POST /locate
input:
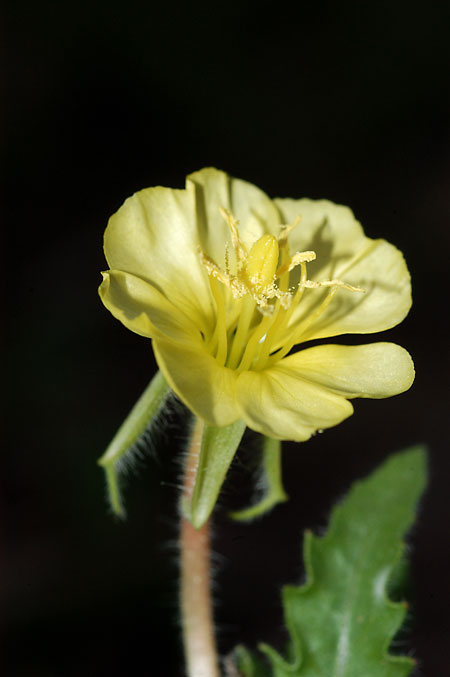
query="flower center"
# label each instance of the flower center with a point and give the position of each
(254, 330)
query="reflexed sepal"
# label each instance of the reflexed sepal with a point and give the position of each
(341, 621)
(248, 664)
(217, 450)
(122, 446)
(274, 492)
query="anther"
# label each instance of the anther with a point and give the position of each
(332, 283)
(238, 245)
(286, 230)
(296, 260)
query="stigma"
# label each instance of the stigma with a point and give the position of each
(262, 261)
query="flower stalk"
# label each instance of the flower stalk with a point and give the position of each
(196, 603)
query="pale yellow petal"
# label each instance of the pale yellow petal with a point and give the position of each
(254, 210)
(154, 236)
(345, 253)
(381, 270)
(142, 308)
(375, 370)
(278, 403)
(206, 388)
(329, 229)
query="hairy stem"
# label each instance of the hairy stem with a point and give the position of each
(196, 604)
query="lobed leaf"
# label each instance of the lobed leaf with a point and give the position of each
(341, 622)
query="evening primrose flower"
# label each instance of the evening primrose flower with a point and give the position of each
(226, 282)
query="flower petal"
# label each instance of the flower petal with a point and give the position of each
(142, 308)
(344, 252)
(254, 210)
(154, 236)
(375, 370)
(281, 404)
(206, 388)
(329, 229)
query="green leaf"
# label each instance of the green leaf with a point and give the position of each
(217, 451)
(341, 621)
(121, 448)
(274, 491)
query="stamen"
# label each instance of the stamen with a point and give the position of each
(275, 332)
(332, 283)
(283, 280)
(255, 341)
(238, 245)
(228, 280)
(284, 269)
(301, 328)
(220, 333)
(296, 260)
(286, 230)
(227, 259)
(245, 318)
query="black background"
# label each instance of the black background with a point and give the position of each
(348, 101)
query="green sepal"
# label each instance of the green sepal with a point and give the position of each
(120, 448)
(249, 664)
(274, 491)
(217, 450)
(341, 621)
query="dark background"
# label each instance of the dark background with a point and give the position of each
(348, 101)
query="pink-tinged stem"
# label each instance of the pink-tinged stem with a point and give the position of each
(196, 604)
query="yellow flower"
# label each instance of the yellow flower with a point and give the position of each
(226, 282)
